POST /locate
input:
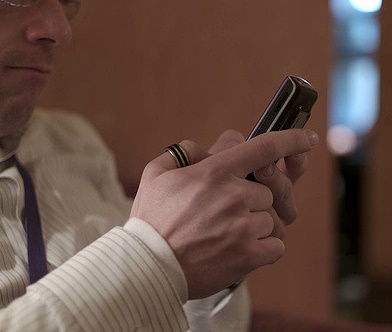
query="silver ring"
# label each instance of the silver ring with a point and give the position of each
(179, 154)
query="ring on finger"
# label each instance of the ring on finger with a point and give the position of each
(179, 155)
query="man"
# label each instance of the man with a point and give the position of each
(193, 234)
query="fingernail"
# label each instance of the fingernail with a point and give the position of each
(313, 138)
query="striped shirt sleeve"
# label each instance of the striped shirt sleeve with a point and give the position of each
(115, 284)
(126, 280)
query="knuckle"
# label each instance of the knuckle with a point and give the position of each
(150, 168)
(277, 252)
(266, 146)
(300, 160)
(268, 252)
(215, 168)
(279, 230)
(275, 258)
(241, 195)
(211, 172)
(235, 201)
(240, 227)
(267, 225)
(232, 137)
(297, 165)
(291, 216)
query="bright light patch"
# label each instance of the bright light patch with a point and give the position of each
(341, 140)
(363, 78)
(366, 6)
(355, 95)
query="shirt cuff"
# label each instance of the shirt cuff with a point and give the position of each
(226, 311)
(163, 253)
(232, 313)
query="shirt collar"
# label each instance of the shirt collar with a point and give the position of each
(4, 155)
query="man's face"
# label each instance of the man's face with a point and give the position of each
(28, 38)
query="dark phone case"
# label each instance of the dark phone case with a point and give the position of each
(289, 108)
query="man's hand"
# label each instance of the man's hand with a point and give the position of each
(218, 224)
(279, 177)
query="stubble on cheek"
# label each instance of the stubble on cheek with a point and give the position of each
(19, 92)
(15, 114)
(13, 124)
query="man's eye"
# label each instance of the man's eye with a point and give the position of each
(71, 7)
(70, 2)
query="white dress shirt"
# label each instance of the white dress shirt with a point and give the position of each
(105, 273)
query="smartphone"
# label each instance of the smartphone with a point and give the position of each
(289, 108)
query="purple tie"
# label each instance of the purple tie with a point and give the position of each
(32, 223)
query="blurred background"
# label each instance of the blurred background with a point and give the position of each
(148, 73)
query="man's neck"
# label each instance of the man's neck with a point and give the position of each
(8, 146)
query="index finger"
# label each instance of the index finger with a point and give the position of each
(264, 149)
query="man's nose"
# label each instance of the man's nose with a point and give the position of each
(48, 24)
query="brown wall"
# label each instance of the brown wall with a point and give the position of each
(150, 73)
